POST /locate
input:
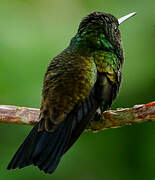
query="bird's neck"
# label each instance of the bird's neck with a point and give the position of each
(89, 42)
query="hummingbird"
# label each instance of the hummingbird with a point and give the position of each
(80, 83)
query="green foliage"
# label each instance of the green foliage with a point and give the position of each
(31, 33)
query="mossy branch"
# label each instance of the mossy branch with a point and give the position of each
(109, 119)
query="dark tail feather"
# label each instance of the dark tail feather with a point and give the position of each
(21, 155)
(43, 149)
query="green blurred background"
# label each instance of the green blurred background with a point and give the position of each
(34, 31)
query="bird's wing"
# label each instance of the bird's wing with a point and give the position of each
(68, 83)
(82, 116)
(68, 103)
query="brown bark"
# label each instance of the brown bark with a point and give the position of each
(109, 119)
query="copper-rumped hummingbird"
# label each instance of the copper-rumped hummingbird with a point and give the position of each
(79, 82)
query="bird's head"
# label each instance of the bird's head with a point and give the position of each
(101, 31)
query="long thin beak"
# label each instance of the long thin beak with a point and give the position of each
(124, 18)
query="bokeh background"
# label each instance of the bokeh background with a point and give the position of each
(34, 31)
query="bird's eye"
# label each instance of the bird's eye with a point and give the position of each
(115, 28)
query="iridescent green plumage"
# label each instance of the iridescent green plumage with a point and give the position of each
(85, 77)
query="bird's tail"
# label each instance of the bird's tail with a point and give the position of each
(42, 148)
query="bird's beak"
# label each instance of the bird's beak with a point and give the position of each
(124, 18)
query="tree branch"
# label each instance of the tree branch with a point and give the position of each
(109, 119)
